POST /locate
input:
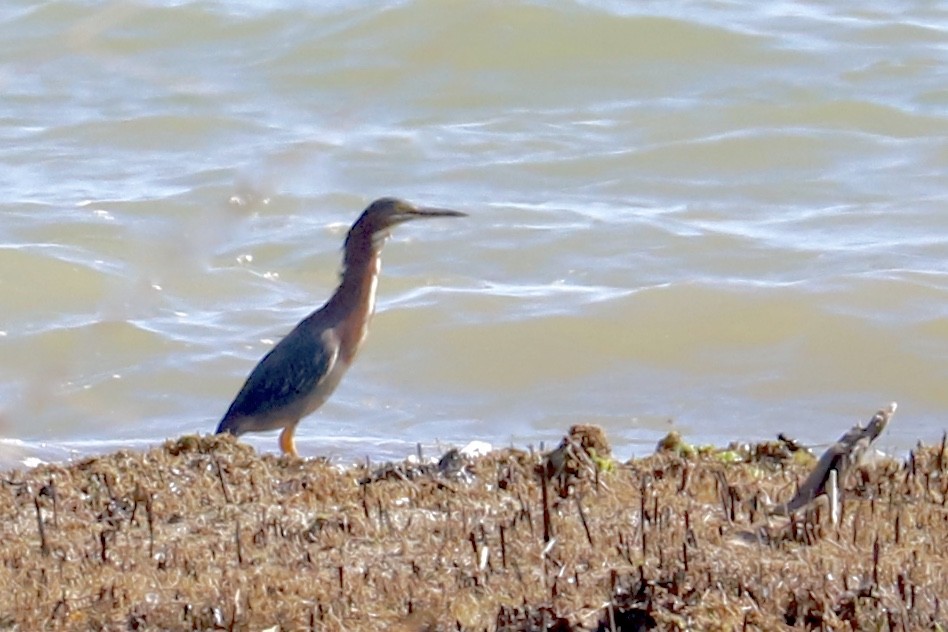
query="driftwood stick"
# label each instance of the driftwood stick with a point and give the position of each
(840, 457)
(833, 494)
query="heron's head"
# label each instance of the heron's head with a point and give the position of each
(369, 232)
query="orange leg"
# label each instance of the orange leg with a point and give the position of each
(287, 445)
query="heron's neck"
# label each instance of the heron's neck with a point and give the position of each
(359, 275)
(354, 300)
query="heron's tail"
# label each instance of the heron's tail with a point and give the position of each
(230, 424)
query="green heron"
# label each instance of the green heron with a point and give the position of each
(303, 369)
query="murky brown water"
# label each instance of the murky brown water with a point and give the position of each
(726, 218)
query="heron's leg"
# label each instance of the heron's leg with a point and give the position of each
(287, 445)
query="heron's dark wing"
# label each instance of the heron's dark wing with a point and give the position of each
(284, 378)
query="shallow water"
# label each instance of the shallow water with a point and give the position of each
(725, 218)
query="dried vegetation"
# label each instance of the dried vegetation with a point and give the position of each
(203, 533)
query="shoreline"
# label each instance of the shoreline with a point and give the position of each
(204, 533)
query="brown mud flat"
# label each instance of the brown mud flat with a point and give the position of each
(203, 533)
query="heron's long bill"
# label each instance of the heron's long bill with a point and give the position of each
(431, 211)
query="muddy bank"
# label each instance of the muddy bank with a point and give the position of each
(204, 533)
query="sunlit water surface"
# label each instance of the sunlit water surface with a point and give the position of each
(728, 219)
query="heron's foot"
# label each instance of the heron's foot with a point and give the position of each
(287, 444)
